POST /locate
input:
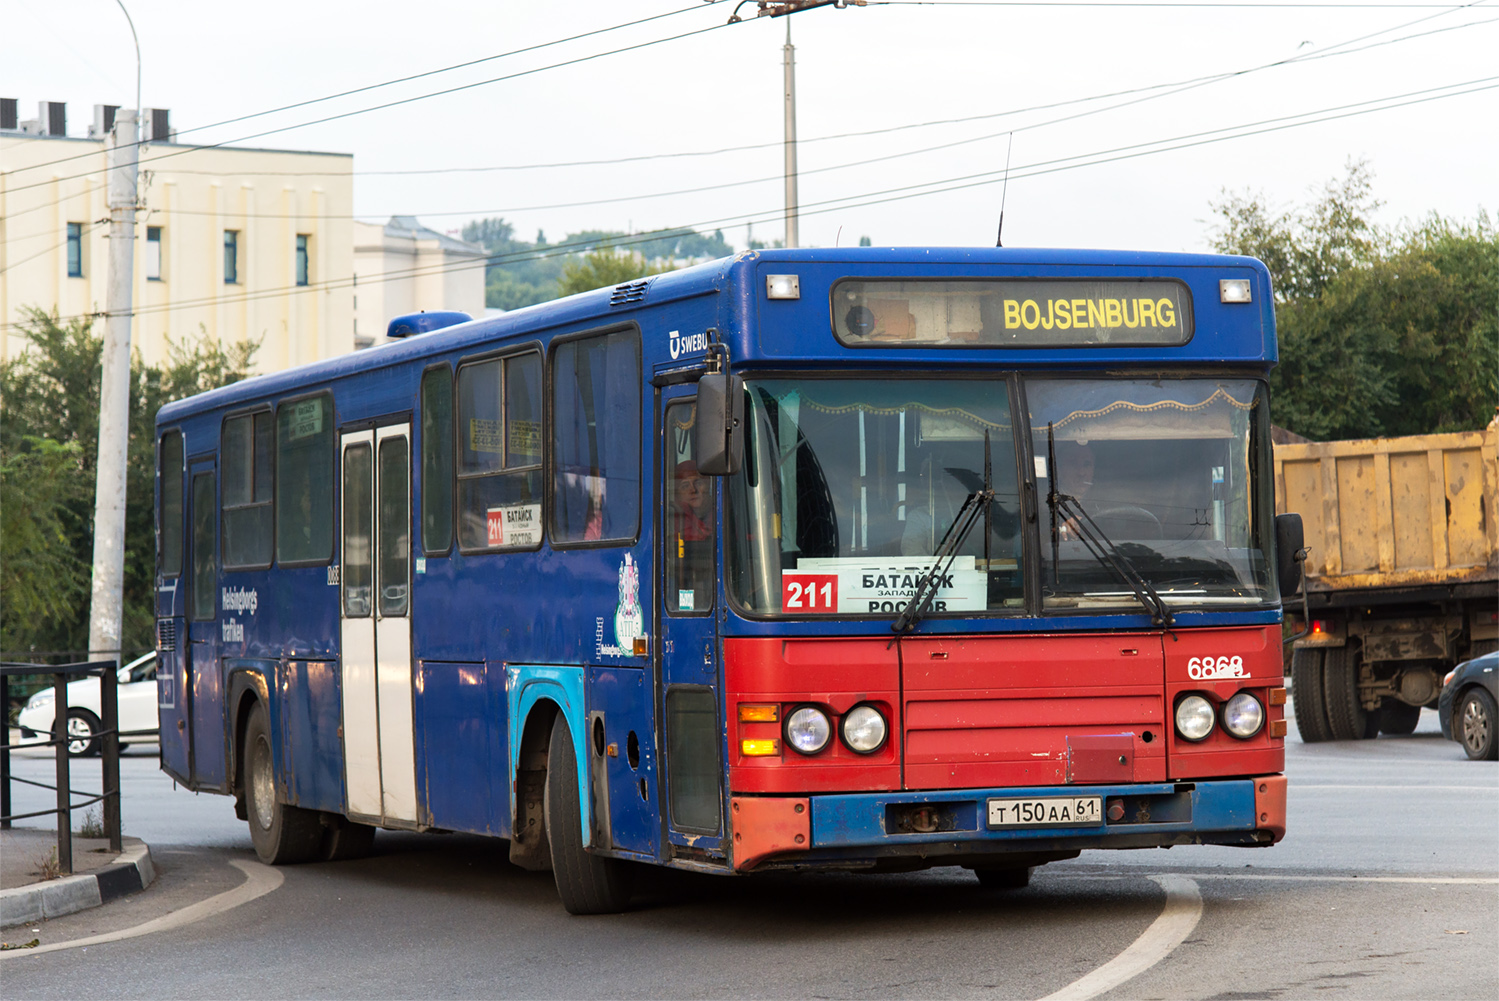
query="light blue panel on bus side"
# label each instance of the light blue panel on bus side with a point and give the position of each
(529, 684)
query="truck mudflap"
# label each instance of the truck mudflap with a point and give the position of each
(962, 823)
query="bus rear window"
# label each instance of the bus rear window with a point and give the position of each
(1016, 313)
(304, 480)
(170, 527)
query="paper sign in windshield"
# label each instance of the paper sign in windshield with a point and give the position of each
(879, 587)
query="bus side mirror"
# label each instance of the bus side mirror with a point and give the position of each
(718, 435)
(1290, 552)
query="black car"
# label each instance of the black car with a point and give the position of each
(1467, 706)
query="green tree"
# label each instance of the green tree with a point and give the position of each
(49, 426)
(603, 268)
(1381, 333)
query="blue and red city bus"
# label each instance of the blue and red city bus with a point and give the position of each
(865, 559)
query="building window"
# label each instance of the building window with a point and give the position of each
(231, 257)
(153, 253)
(75, 250)
(301, 258)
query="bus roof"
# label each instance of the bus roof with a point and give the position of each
(1254, 341)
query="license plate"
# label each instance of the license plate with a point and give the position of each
(1050, 812)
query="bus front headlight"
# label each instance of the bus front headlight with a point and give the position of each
(864, 729)
(1194, 718)
(808, 730)
(1243, 716)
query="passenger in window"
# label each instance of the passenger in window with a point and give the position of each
(1075, 465)
(692, 537)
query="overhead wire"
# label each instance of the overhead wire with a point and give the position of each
(844, 203)
(396, 80)
(1149, 92)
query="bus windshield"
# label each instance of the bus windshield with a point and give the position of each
(850, 485)
(1162, 469)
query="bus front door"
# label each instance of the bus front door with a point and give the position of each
(691, 704)
(375, 631)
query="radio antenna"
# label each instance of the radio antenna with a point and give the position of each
(999, 238)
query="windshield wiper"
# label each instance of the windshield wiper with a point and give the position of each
(1097, 542)
(974, 504)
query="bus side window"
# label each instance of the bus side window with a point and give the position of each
(170, 527)
(246, 465)
(304, 480)
(596, 439)
(205, 572)
(437, 460)
(499, 453)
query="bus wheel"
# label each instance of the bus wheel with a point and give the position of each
(343, 839)
(1017, 878)
(282, 834)
(1306, 696)
(587, 883)
(1345, 714)
(1396, 717)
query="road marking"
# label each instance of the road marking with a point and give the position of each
(259, 880)
(1297, 786)
(1178, 918)
(1287, 877)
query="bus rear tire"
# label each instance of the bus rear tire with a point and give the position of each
(1345, 714)
(1306, 696)
(587, 883)
(1016, 878)
(344, 840)
(282, 834)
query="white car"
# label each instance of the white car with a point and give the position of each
(137, 705)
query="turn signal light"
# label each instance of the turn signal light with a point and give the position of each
(760, 748)
(753, 713)
(1277, 728)
(1277, 696)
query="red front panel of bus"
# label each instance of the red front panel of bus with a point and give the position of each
(994, 711)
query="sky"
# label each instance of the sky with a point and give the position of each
(906, 113)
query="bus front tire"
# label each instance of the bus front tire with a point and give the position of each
(1306, 696)
(282, 834)
(1015, 878)
(587, 883)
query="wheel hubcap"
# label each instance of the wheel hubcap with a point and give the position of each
(80, 733)
(262, 790)
(1475, 725)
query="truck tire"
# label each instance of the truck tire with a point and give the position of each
(282, 834)
(1345, 716)
(1396, 717)
(587, 883)
(1306, 696)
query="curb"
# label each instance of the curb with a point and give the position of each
(129, 872)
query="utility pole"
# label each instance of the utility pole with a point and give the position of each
(106, 605)
(791, 204)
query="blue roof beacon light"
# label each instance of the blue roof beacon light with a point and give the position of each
(424, 322)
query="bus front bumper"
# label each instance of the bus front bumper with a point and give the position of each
(848, 829)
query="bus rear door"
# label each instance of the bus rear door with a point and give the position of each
(375, 629)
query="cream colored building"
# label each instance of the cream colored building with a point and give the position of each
(251, 244)
(403, 267)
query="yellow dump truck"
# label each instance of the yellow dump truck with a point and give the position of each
(1402, 580)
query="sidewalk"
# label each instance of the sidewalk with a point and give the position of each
(98, 874)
